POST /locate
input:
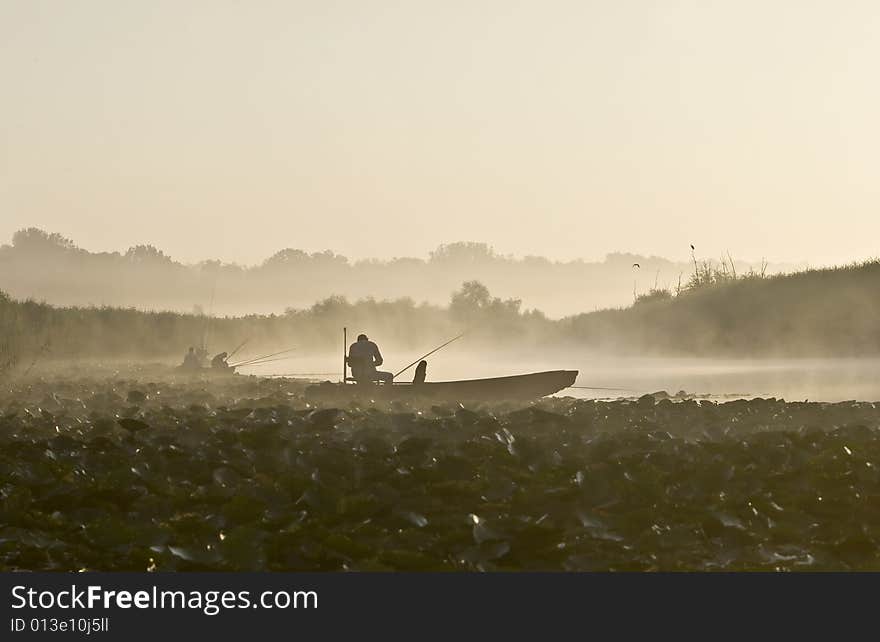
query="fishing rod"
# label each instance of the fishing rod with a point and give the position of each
(267, 360)
(430, 353)
(265, 356)
(240, 346)
(264, 361)
(256, 362)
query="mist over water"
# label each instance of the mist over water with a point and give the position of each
(721, 380)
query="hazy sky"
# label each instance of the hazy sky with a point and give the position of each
(231, 129)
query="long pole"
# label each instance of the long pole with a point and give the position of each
(344, 360)
(240, 346)
(245, 362)
(430, 353)
(260, 362)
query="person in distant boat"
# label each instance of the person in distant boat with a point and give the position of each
(220, 362)
(191, 361)
(363, 358)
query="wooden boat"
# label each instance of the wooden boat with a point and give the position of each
(515, 387)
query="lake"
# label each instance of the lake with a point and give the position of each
(791, 379)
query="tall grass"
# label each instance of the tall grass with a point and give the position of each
(10, 339)
(709, 274)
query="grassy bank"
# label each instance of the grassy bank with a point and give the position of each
(828, 312)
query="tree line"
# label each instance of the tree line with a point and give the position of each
(831, 312)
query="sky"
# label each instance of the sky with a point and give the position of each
(569, 129)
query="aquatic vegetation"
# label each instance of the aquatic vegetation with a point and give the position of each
(147, 471)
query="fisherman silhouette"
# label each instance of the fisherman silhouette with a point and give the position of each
(219, 361)
(363, 358)
(191, 361)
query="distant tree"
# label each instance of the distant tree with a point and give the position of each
(330, 308)
(474, 304)
(285, 257)
(291, 257)
(329, 258)
(147, 254)
(463, 252)
(470, 299)
(34, 239)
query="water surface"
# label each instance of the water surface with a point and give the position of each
(791, 379)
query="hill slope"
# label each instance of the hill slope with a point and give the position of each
(828, 312)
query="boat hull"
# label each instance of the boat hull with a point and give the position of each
(515, 387)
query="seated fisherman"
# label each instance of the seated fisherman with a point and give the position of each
(219, 362)
(191, 361)
(363, 357)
